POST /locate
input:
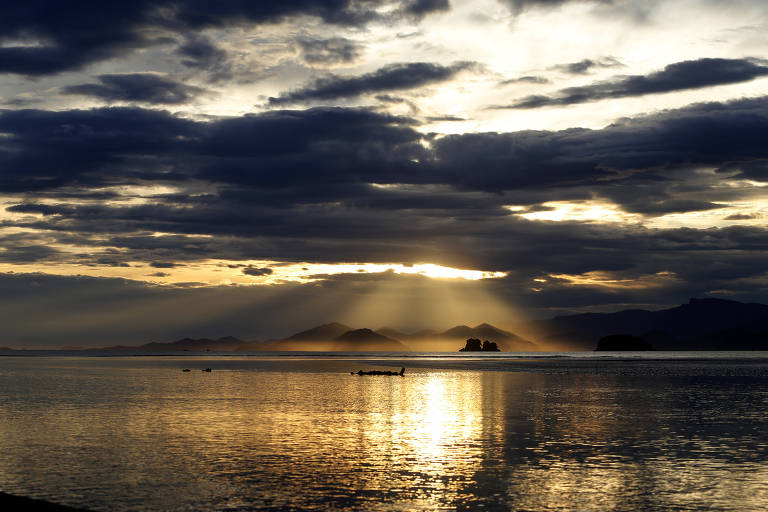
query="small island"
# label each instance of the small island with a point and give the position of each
(622, 342)
(474, 345)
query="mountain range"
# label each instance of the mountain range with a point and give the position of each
(701, 324)
(335, 336)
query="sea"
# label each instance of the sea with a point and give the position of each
(598, 431)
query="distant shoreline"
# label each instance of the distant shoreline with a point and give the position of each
(12, 502)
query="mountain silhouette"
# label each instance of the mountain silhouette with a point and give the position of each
(323, 332)
(366, 339)
(225, 344)
(701, 324)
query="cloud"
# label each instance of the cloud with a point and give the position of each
(199, 52)
(393, 77)
(28, 253)
(353, 185)
(137, 87)
(584, 66)
(420, 8)
(517, 6)
(739, 216)
(56, 38)
(336, 50)
(45, 39)
(703, 134)
(529, 79)
(163, 264)
(125, 311)
(631, 9)
(330, 153)
(445, 118)
(690, 74)
(256, 271)
(89, 147)
(756, 170)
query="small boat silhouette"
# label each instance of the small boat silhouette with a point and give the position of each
(378, 372)
(207, 370)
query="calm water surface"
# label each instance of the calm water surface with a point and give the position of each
(135, 433)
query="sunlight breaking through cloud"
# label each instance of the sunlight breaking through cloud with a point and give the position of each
(303, 272)
(581, 211)
(216, 272)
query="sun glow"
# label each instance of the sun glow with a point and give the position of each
(751, 212)
(251, 272)
(581, 211)
(307, 272)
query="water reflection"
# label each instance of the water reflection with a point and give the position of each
(126, 435)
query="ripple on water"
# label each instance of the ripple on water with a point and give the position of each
(135, 433)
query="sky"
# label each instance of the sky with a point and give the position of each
(186, 168)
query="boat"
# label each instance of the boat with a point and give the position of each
(379, 372)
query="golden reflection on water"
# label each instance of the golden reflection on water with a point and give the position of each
(313, 437)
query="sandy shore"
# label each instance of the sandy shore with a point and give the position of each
(14, 503)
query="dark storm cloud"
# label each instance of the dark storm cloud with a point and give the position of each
(653, 195)
(739, 216)
(324, 154)
(707, 133)
(294, 186)
(42, 209)
(257, 271)
(199, 52)
(138, 88)
(585, 66)
(753, 170)
(66, 36)
(421, 8)
(163, 264)
(48, 149)
(317, 147)
(335, 50)
(690, 74)
(109, 262)
(393, 77)
(23, 254)
(473, 233)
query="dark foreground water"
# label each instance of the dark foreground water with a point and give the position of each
(293, 433)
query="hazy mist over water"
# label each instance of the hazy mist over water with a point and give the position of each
(301, 433)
